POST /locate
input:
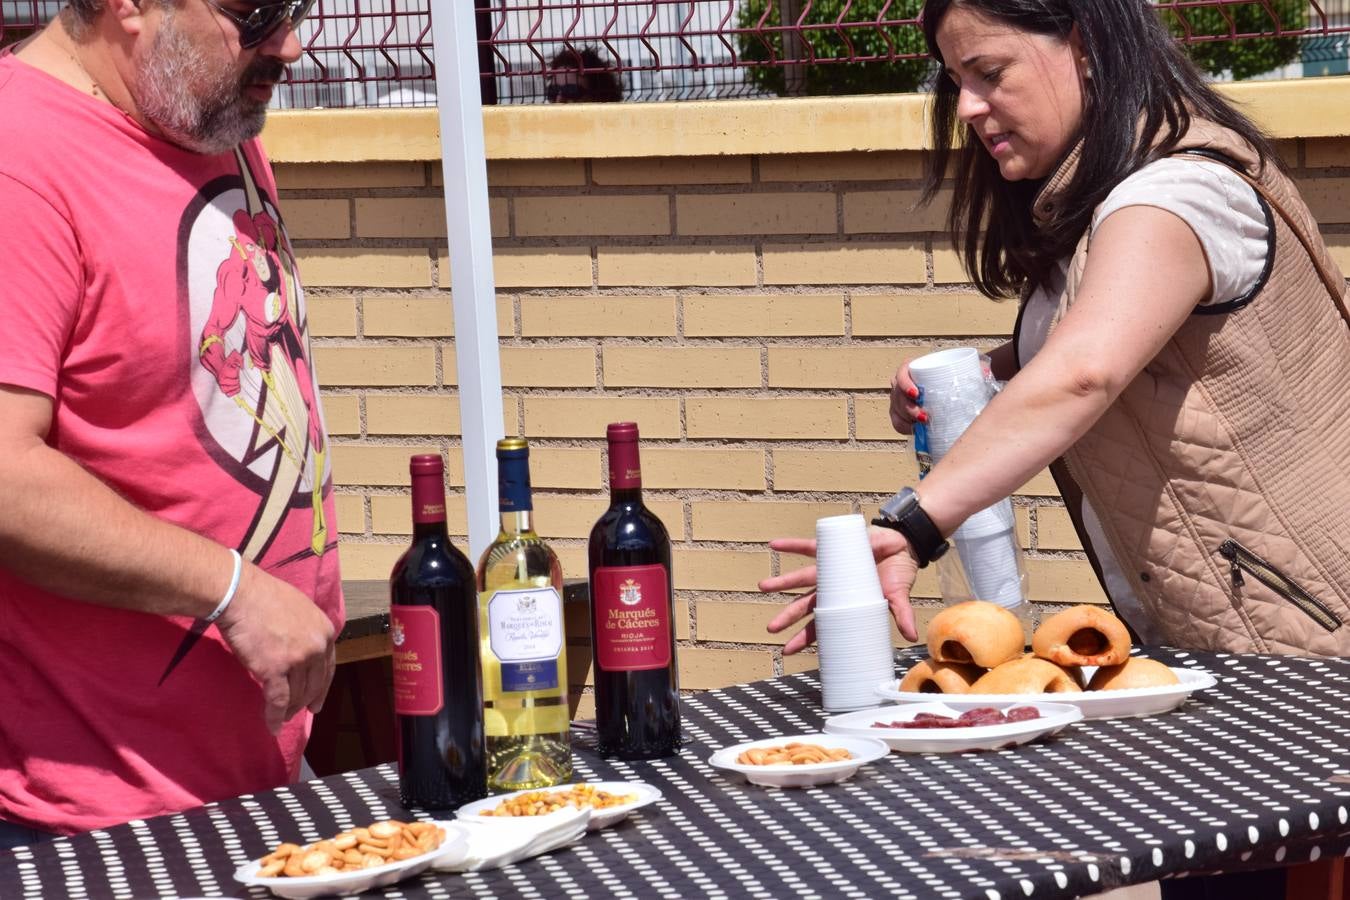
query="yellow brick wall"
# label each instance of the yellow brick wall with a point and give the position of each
(746, 310)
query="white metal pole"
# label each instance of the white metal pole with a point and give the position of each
(464, 164)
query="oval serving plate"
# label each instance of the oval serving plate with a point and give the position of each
(1119, 704)
(873, 723)
(600, 818)
(864, 750)
(359, 881)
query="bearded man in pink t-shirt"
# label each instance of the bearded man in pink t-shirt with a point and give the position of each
(169, 588)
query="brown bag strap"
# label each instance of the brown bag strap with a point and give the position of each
(1335, 287)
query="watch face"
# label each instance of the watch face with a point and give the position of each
(895, 507)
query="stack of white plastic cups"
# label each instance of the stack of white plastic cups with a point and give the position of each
(853, 623)
(954, 391)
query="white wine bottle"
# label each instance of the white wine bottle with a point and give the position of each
(521, 641)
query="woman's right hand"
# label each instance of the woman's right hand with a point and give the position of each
(896, 570)
(904, 410)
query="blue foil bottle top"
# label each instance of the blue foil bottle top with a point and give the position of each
(921, 452)
(513, 476)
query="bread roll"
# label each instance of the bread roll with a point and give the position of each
(1074, 672)
(930, 677)
(1026, 675)
(976, 632)
(1135, 672)
(1082, 636)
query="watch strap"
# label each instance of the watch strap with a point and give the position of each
(903, 513)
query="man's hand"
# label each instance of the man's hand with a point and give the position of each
(65, 531)
(284, 641)
(895, 567)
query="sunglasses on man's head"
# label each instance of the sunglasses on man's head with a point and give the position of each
(262, 22)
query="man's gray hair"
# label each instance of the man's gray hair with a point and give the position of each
(79, 16)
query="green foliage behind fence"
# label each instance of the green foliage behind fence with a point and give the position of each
(885, 76)
(1248, 57)
(823, 39)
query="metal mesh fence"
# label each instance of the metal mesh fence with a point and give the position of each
(379, 53)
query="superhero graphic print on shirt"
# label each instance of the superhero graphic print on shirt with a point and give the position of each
(250, 371)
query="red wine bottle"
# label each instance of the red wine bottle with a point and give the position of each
(637, 693)
(438, 689)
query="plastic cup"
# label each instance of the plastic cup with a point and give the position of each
(846, 572)
(993, 519)
(945, 368)
(954, 393)
(990, 565)
(855, 651)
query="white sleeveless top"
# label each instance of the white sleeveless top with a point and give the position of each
(1224, 213)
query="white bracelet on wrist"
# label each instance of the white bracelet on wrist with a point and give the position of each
(229, 593)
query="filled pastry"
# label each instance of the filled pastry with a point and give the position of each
(1082, 636)
(1026, 675)
(1074, 672)
(1135, 672)
(930, 677)
(975, 633)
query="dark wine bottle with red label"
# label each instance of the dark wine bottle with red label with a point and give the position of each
(433, 629)
(637, 693)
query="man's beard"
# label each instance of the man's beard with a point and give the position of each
(195, 105)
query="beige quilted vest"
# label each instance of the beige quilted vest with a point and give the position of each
(1222, 473)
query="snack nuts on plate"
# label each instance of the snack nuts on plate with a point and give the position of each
(354, 849)
(541, 803)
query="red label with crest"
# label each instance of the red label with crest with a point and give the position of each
(415, 633)
(631, 605)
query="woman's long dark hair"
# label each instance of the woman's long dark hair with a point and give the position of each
(1140, 79)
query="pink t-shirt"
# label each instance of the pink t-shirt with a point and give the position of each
(152, 293)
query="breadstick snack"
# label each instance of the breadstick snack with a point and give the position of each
(792, 754)
(357, 848)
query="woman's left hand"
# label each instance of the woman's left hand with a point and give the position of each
(905, 410)
(895, 568)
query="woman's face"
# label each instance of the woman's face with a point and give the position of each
(1021, 93)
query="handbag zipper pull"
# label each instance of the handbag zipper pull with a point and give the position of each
(1228, 550)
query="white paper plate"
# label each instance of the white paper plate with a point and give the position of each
(456, 838)
(1121, 704)
(864, 750)
(870, 723)
(600, 818)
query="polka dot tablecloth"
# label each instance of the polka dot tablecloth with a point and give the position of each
(1254, 772)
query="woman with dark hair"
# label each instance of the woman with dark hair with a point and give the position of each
(1181, 357)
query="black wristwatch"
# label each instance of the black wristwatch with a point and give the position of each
(903, 513)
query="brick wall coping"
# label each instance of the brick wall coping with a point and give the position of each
(1299, 108)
